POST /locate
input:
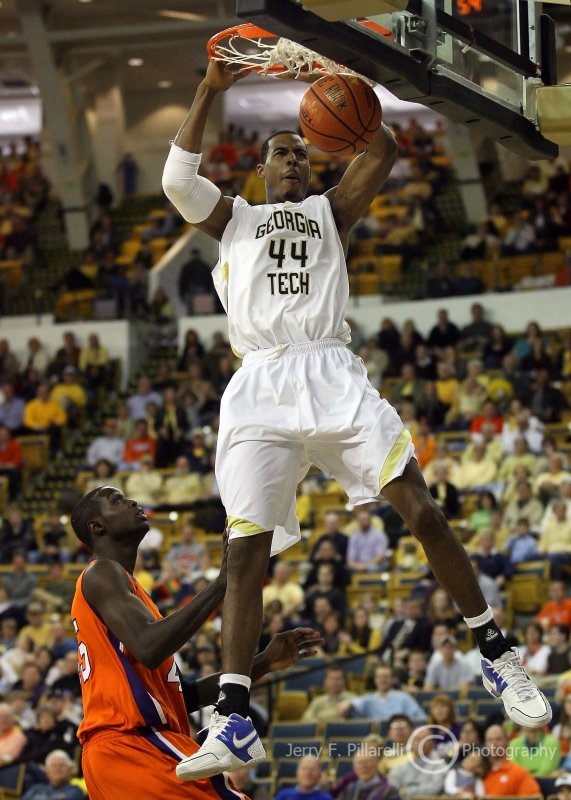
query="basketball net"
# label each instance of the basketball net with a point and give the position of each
(249, 47)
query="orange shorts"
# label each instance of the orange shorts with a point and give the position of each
(125, 766)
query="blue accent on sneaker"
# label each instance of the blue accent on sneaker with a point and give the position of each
(238, 735)
(494, 677)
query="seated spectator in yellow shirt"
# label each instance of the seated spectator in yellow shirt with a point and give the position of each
(184, 487)
(70, 395)
(44, 415)
(468, 402)
(282, 588)
(94, 363)
(146, 484)
(547, 483)
(478, 472)
(555, 539)
(323, 708)
(522, 456)
(446, 385)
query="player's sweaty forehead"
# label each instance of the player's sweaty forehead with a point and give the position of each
(287, 142)
(109, 493)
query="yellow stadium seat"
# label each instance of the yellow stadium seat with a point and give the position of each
(526, 593)
(291, 705)
(75, 305)
(35, 450)
(11, 272)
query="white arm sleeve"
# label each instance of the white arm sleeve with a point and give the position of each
(194, 197)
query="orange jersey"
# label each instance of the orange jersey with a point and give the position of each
(120, 694)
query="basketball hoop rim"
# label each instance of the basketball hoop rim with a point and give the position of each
(247, 30)
(252, 32)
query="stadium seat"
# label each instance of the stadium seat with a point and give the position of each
(547, 785)
(486, 707)
(539, 567)
(424, 697)
(356, 665)
(11, 273)
(291, 705)
(293, 730)
(286, 768)
(265, 786)
(302, 680)
(549, 691)
(3, 492)
(75, 305)
(402, 584)
(347, 730)
(342, 767)
(355, 594)
(12, 780)
(462, 708)
(478, 693)
(526, 592)
(357, 683)
(263, 769)
(35, 450)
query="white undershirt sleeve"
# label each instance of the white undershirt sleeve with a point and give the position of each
(195, 197)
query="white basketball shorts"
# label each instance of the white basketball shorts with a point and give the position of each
(292, 406)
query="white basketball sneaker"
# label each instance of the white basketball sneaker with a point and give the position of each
(232, 742)
(506, 678)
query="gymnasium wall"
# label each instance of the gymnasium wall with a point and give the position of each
(118, 336)
(550, 308)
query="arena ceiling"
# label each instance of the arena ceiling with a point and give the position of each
(95, 39)
(92, 37)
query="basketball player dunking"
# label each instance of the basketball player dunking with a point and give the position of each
(303, 398)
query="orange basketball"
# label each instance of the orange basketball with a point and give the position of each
(340, 114)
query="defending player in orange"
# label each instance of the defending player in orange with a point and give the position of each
(136, 704)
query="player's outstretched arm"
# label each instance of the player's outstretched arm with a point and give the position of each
(198, 199)
(284, 650)
(107, 589)
(362, 182)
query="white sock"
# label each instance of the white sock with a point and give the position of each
(476, 622)
(233, 677)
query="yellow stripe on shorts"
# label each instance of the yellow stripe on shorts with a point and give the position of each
(243, 526)
(402, 443)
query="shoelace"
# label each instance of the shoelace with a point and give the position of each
(216, 725)
(512, 670)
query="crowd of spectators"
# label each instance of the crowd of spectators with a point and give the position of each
(405, 219)
(24, 191)
(541, 218)
(508, 489)
(119, 283)
(49, 393)
(488, 764)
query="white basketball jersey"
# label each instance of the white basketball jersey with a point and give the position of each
(282, 276)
